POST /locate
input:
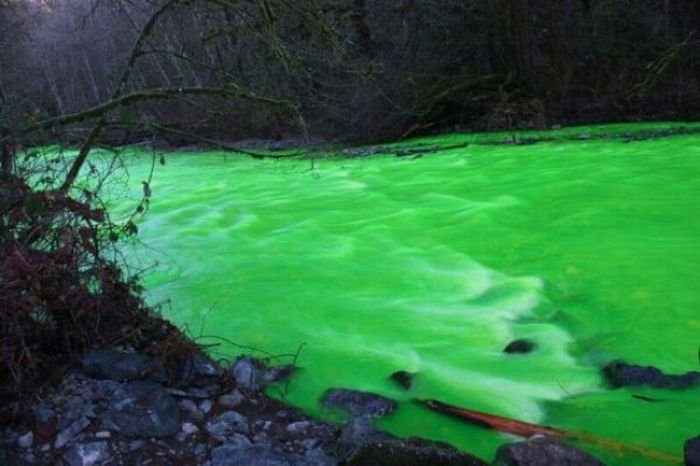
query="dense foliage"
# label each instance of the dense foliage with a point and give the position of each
(358, 69)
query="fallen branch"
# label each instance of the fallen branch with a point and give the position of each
(526, 429)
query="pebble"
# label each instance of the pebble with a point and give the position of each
(189, 428)
(298, 427)
(205, 406)
(26, 440)
(231, 400)
(67, 434)
(103, 434)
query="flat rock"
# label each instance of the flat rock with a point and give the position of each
(621, 374)
(143, 409)
(231, 400)
(543, 451)
(249, 374)
(71, 431)
(358, 403)
(123, 367)
(520, 346)
(692, 452)
(87, 454)
(361, 444)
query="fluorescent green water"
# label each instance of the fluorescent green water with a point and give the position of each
(432, 265)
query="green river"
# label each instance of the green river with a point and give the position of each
(433, 264)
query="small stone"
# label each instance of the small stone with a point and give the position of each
(67, 434)
(227, 424)
(231, 400)
(103, 434)
(358, 403)
(26, 440)
(520, 346)
(692, 452)
(298, 427)
(198, 393)
(403, 378)
(248, 374)
(188, 428)
(87, 454)
(277, 373)
(191, 409)
(205, 406)
(136, 444)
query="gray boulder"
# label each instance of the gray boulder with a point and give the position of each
(143, 409)
(119, 366)
(543, 451)
(358, 403)
(198, 370)
(361, 444)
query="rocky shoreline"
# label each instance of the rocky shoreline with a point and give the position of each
(120, 408)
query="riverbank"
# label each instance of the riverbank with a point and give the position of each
(117, 407)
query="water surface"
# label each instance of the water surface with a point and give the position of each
(434, 264)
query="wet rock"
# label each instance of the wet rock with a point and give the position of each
(621, 374)
(188, 428)
(198, 370)
(87, 454)
(191, 410)
(299, 427)
(119, 366)
(277, 373)
(231, 400)
(71, 431)
(403, 378)
(520, 346)
(362, 444)
(249, 374)
(26, 440)
(358, 403)
(692, 452)
(206, 406)
(227, 424)
(143, 409)
(543, 451)
(253, 455)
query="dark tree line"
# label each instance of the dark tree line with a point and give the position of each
(352, 69)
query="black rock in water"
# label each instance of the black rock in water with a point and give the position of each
(124, 367)
(277, 373)
(692, 452)
(520, 346)
(362, 444)
(620, 374)
(358, 403)
(143, 409)
(543, 451)
(403, 378)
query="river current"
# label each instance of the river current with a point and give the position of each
(589, 247)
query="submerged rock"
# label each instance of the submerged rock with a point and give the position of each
(543, 451)
(362, 444)
(621, 374)
(143, 409)
(403, 378)
(277, 373)
(520, 346)
(358, 403)
(691, 451)
(123, 367)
